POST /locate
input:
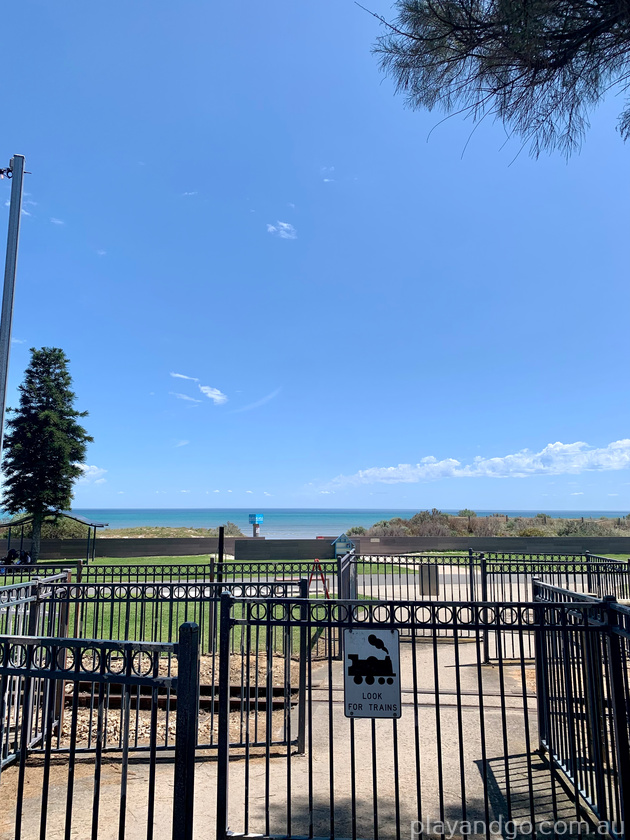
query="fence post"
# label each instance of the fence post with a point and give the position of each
(353, 580)
(186, 731)
(221, 553)
(620, 715)
(471, 573)
(304, 649)
(595, 714)
(223, 743)
(64, 622)
(541, 674)
(484, 598)
(589, 582)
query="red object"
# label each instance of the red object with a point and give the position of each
(317, 566)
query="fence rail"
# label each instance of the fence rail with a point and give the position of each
(42, 675)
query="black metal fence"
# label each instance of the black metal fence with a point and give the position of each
(584, 701)
(515, 700)
(42, 674)
(478, 577)
(153, 612)
(464, 756)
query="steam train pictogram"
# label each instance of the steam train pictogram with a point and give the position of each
(371, 669)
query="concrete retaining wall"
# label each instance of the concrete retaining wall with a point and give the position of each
(263, 549)
(283, 549)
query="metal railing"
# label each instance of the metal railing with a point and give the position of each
(37, 672)
(153, 612)
(465, 746)
(584, 701)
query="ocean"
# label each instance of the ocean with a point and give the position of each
(286, 523)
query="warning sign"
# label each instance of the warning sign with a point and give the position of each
(371, 673)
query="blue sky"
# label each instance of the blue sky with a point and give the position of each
(234, 194)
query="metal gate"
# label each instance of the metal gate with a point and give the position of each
(74, 781)
(466, 756)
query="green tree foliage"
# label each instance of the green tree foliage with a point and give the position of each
(44, 445)
(356, 531)
(538, 66)
(467, 512)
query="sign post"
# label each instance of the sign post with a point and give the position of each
(256, 520)
(371, 673)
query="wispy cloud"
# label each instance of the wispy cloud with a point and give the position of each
(183, 397)
(327, 172)
(327, 492)
(181, 443)
(577, 494)
(55, 221)
(101, 253)
(192, 192)
(554, 459)
(91, 474)
(18, 341)
(216, 491)
(283, 230)
(266, 494)
(213, 394)
(613, 494)
(258, 403)
(249, 491)
(183, 376)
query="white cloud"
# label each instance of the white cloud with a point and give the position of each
(100, 481)
(259, 402)
(182, 443)
(184, 491)
(283, 230)
(216, 491)
(327, 492)
(291, 205)
(266, 494)
(101, 253)
(554, 459)
(183, 397)
(577, 494)
(193, 192)
(91, 474)
(121, 492)
(183, 376)
(229, 491)
(613, 494)
(57, 221)
(249, 491)
(18, 341)
(329, 180)
(213, 394)
(25, 212)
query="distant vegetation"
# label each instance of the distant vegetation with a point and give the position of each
(231, 530)
(434, 523)
(62, 528)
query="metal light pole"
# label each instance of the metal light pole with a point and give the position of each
(16, 170)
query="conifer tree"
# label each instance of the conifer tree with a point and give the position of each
(44, 446)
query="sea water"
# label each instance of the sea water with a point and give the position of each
(286, 523)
